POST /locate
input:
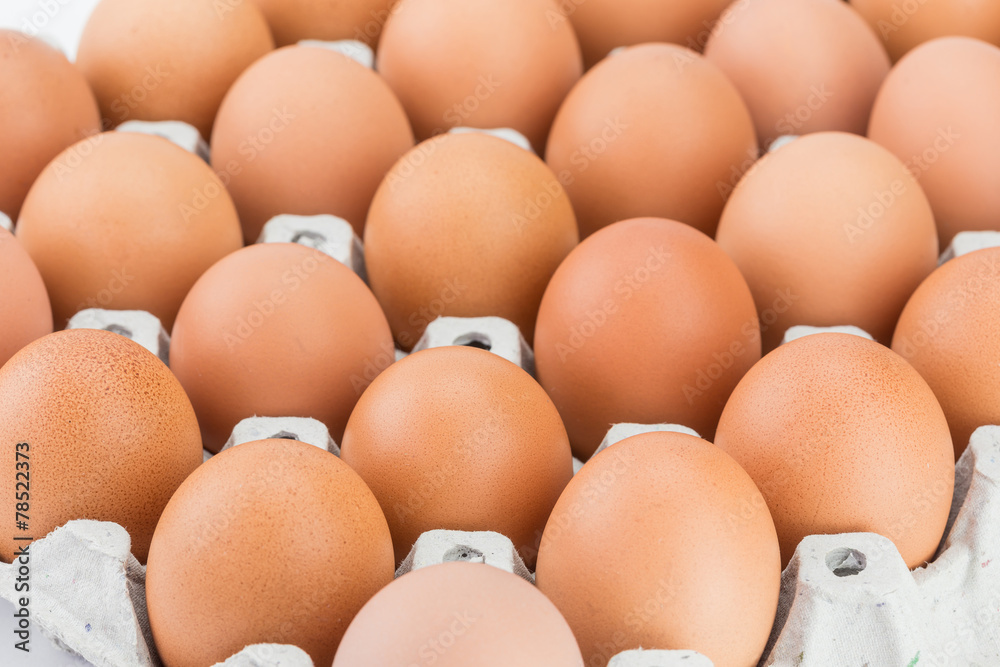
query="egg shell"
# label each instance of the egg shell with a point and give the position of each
(125, 221)
(948, 332)
(458, 438)
(480, 63)
(830, 230)
(937, 113)
(466, 225)
(655, 130)
(24, 304)
(328, 20)
(459, 614)
(307, 130)
(109, 434)
(905, 25)
(274, 542)
(663, 542)
(647, 321)
(47, 105)
(841, 435)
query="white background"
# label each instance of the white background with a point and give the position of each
(59, 22)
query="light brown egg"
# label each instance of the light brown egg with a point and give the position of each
(937, 113)
(47, 106)
(294, 20)
(270, 542)
(948, 332)
(308, 131)
(829, 230)
(155, 60)
(480, 63)
(801, 65)
(455, 615)
(25, 312)
(466, 225)
(647, 321)
(656, 130)
(277, 330)
(104, 429)
(905, 25)
(663, 542)
(841, 435)
(461, 439)
(125, 221)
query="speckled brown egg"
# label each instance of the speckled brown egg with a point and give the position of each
(663, 542)
(480, 63)
(656, 130)
(948, 332)
(270, 542)
(801, 65)
(25, 312)
(466, 225)
(155, 60)
(47, 106)
(841, 435)
(459, 614)
(647, 321)
(458, 438)
(125, 221)
(829, 230)
(278, 330)
(294, 20)
(308, 131)
(937, 113)
(104, 429)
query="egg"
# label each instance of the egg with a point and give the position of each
(905, 25)
(655, 130)
(647, 321)
(277, 330)
(154, 60)
(47, 106)
(480, 63)
(103, 429)
(829, 230)
(307, 131)
(270, 542)
(841, 435)
(294, 20)
(24, 307)
(801, 65)
(466, 225)
(948, 333)
(456, 614)
(125, 221)
(663, 542)
(459, 438)
(937, 112)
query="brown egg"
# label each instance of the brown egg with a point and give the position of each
(458, 438)
(277, 330)
(466, 225)
(841, 435)
(308, 131)
(829, 230)
(270, 542)
(126, 221)
(948, 332)
(937, 112)
(455, 615)
(904, 25)
(155, 60)
(104, 430)
(47, 106)
(663, 542)
(647, 321)
(480, 63)
(24, 307)
(294, 20)
(603, 25)
(656, 130)
(801, 65)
